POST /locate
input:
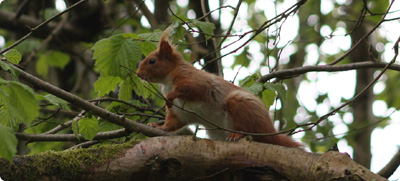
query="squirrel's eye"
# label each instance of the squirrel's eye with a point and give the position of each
(152, 61)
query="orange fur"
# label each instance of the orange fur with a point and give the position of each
(209, 96)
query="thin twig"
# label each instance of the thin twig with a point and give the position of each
(40, 25)
(364, 37)
(334, 111)
(264, 26)
(71, 137)
(59, 26)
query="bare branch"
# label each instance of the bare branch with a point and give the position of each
(289, 73)
(235, 13)
(70, 137)
(393, 164)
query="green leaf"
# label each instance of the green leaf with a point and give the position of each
(181, 17)
(57, 59)
(125, 91)
(6, 67)
(130, 35)
(88, 127)
(106, 84)
(57, 101)
(278, 88)
(152, 37)
(26, 46)
(179, 31)
(143, 87)
(116, 55)
(206, 27)
(75, 128)
(255, 88)
(147, 47)
(242, 59)
(13, 56)
(108, 126)
(268, 97)
(18, 104)
(8, 143)
(249, 80)
(42, 67)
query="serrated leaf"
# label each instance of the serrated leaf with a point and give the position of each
(249, 80)
(8, 143)
(268, 97)
(278, 88)
(206, 27)
(116, 55)
(246, 82)
(181, 17)
(9, 68)
(18, 104)
(147, 47)
(152, 37)
(125, 91)
(13, 56)
(106, 84)
(75, 128)
(88, 127)
(108, 126)
(142, 90)
(4, 66)
(256, 88)
(130, 35)
(57, 101)
(179, 31)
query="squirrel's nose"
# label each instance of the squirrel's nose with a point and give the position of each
(140, 75)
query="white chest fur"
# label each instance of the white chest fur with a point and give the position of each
(199, 112)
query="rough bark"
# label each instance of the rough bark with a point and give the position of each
(183, 158)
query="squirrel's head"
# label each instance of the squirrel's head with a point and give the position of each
(158, 64)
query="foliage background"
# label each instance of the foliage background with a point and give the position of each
(92, 51)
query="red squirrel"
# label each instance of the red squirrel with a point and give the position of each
(208, 96)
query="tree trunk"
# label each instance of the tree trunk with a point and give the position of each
(362, 107)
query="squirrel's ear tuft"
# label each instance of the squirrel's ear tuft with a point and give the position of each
(165, 48)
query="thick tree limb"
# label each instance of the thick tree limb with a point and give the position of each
(182, 158)
(391, 167)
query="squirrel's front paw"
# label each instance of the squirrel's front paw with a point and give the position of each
(234, 137)
(154, 125)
